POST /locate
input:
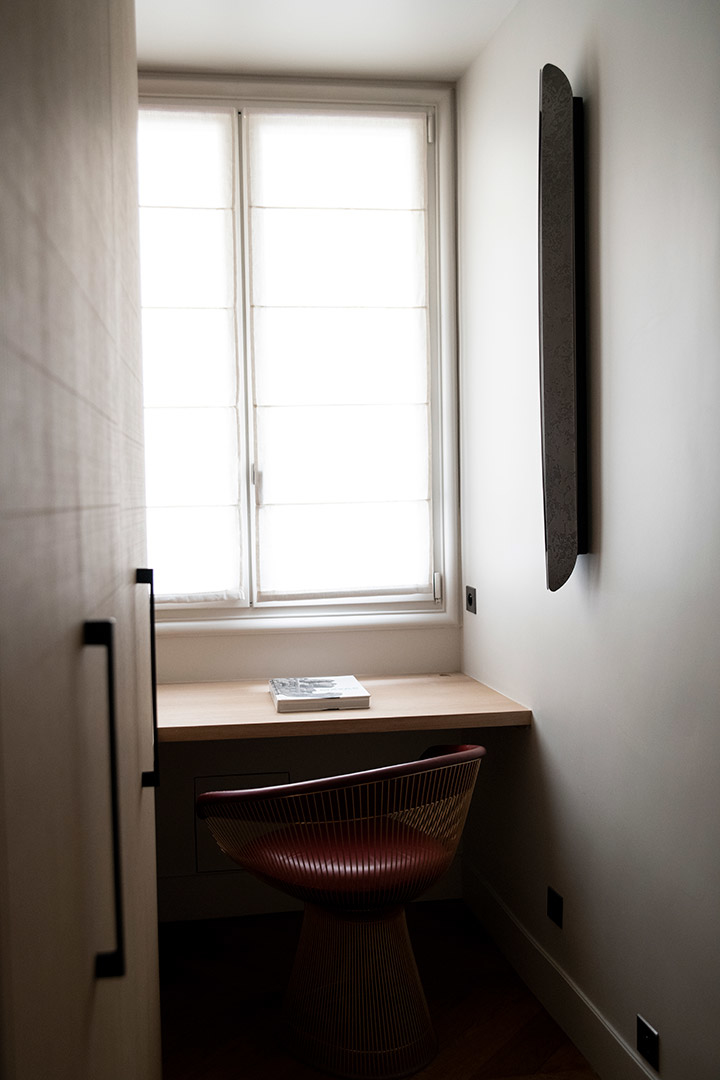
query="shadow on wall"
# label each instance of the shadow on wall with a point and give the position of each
(516, 832)
(593, 306)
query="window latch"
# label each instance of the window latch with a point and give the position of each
(256, 482)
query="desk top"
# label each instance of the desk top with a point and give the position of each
(191, 712)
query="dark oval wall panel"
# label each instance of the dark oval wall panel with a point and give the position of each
(558, 329)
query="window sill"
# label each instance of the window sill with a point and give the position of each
(191, 712)
(201, 627)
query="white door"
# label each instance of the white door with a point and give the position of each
(71, 539)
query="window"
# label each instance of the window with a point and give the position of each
(296, 370)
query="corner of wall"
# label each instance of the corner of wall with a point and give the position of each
(606, 1050)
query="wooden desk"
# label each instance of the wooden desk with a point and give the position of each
(191, 712)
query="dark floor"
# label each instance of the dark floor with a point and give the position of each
(222, 983)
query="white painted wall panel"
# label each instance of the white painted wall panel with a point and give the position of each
(613, 800)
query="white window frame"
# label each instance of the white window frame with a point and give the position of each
(438, 101)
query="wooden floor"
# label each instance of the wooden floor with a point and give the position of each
(222, 983)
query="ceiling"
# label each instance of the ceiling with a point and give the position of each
(376, 39)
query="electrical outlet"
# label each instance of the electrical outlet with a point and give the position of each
(648, 1043)
(555, 907)
(470, 603)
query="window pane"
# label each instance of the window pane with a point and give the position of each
(185, 158)
(340, 356)
(186, 258)
(191, 457)
(338, 258)
(326, 550)
(344, 454)
(337, 161)
(339, 346)
(189, 356)
(195, 550)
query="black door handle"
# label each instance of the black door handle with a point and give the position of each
(151, 778)
(110, 964)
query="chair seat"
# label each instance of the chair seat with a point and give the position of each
(348, 864)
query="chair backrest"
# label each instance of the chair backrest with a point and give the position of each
(428, 798)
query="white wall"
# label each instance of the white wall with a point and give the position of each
(227, 655)
(614, 798)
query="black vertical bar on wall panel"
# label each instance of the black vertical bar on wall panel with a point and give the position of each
(151, 778)
(111, 964)
(558, 392)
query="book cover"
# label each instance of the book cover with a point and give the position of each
(319, 692)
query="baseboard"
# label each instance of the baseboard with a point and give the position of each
(609, 1054)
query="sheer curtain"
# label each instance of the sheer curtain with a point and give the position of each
(338, 329)
(187, 220)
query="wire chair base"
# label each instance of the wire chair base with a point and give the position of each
(355, 1006)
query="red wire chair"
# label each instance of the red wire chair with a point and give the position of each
(355, 849)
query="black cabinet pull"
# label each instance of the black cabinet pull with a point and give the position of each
(111, 964)
(152, 778)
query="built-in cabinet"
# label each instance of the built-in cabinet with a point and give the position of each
(71, 539)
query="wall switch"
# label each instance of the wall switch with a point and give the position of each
(470, 604)
(555, 907)
(648, 1043)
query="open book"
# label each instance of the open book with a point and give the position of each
(319, 692)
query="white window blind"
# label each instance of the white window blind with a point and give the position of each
(338, 294)
(192, 426)
(329, 392)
